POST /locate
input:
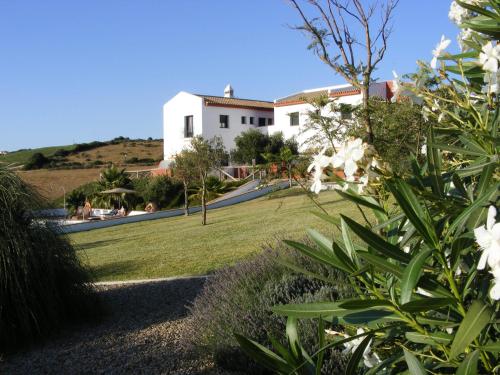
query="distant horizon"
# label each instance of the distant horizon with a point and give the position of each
(76, 72)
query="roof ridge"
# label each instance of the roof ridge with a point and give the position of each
(224, 97)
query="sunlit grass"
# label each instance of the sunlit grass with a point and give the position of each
(182, 246)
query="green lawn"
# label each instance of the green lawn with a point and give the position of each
(182, 246)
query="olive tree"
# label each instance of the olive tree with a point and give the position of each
(206, 156)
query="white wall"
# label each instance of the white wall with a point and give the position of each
(174, 111)
(282, 119)
(211, 125)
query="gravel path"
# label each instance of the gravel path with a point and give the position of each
(141, 334)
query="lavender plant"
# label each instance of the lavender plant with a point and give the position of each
(427, 272)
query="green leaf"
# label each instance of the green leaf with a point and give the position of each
(320, 256)
(491, 347)
(418, 216)
(473, 323)
(346, 236)
(293, 336)
(310, 310)
(477, 9)
(458, 150)
(299, 269)
(414, 365)
(478, 204)
(469, 365)
(353, 197)
(382, 264)
(434, 163)
(376, 242)
(364, 303)
(369, 317)
(411, 275)
(263, 355)
(323, 243)
(321, 342)
(426, 304)
(431, 338)
(344, 258)
(353, 363)
(331, 219)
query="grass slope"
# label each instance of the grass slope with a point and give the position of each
(21, 157)
(182, 246)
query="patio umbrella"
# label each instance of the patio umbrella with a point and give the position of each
(118, 191)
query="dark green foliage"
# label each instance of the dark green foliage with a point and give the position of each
(253, 144)
(164, 192)
(82, 193)
(399, 130)
(37, 161)
(42, 283)
(250, 145)
(237, 299)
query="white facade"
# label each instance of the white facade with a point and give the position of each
(206, 111)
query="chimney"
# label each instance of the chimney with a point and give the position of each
(228, 92)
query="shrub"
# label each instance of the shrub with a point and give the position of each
(43, 284)
(237, 299)
(163, 191)
(37, 161)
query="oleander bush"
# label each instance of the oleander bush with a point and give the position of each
(236, 299)
(42, 282)
(426, 266)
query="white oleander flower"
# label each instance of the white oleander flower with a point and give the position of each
(457, 14)
(495, 290)
(423, 149)
(488, 238)
(370, 359)
(465, 34)
(396, 87)
(425, 113)
(438, 51)
(491, 81)
(348, 156)
(489, 57)
(320, 161)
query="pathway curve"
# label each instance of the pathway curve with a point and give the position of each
(141, 334)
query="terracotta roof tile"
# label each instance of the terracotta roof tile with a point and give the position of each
(236, 102)
(303, 97)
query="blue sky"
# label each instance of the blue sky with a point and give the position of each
(77, 71)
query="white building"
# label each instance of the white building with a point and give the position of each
(291, 112)
(187, 115)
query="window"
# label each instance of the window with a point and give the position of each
(224, 121)
(345, 111)
(243, 119)
(270, 121)
(294, 118)
(188, 126)
(262, 121)
(251, 120)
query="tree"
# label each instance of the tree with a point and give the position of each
(184, 170)
(250, 145)
(400, 130)
(114, 177)
(36, 161)
(287, 157)
(335, 32)
(328, 121)
(207, 155)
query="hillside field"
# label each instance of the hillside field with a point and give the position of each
(51, 182)
(182, 246)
